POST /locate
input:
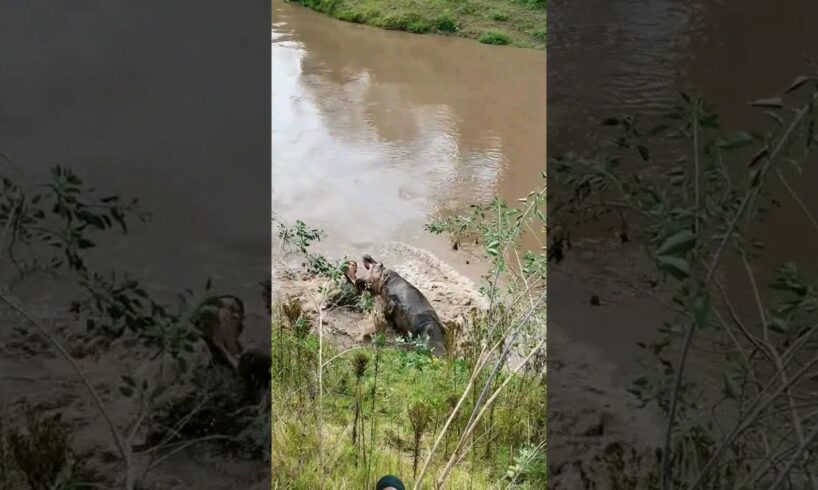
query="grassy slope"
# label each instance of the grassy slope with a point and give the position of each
(403, 380)
(516, 22)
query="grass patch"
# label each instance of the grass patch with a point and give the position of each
(342, 419)
(494, 37)
(419, 27)
(499, 15)
(382, 409)
(446, 23)
(521, 21)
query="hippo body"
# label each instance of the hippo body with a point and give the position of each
(411, 312)
(406, 307)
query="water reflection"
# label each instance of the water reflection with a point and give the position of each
(614, 57)
(374, 130)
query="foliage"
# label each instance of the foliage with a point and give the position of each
(297, 240)
(68, 217)
(40, 456)
(413, 393)
(63, 214)
(465, 416)
(522, 21)
(692, 194)
(494, 37)
(210, 407)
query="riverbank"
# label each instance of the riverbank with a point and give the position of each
(520, 23)
(382, 407)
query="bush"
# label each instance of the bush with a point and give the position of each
(494, 37)
(351, 16)
(446, 23)
(499, 15)
(41, 457)
(419, 27)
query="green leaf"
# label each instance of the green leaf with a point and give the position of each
(798, 82)
(493, 248)
(771, 102)
(126, 391)
(775, 117)
(737, 141)
(675, 266)
(677, 244)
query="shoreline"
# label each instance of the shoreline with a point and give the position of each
(518, 24)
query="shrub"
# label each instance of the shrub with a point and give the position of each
(351, 16)
(446, 23)
(494, 37)
(499, 15)
(42, 457)
(418, 27)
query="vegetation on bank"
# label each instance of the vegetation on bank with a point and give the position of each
(177, 399)
(692, 194)
(342, 419)
(519, 23)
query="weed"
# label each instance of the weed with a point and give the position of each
(677, 189)
(42, 457)
(419, 27)
(494, 37)
(499, 15)
(445, 23)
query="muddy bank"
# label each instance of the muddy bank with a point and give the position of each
(451, 293)
(33, 374)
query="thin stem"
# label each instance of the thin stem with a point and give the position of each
(124, 452)
(470, 428)
(688, 338)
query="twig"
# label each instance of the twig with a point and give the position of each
(478, 367)
(120, 444)
(186, 445)
(797, 456)
(688, 339)
(796, 420)
(797, 199)
(470, 428)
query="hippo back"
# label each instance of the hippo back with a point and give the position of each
(412, 312)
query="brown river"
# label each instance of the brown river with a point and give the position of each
(373, 132)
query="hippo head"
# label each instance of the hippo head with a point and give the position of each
(371, 278)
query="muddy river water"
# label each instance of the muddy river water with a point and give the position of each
(374, 131)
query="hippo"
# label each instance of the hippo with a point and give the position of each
(220, 320)
(406, 307)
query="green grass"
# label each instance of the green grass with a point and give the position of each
(519, 23)
(494, 37)
(387, 384)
